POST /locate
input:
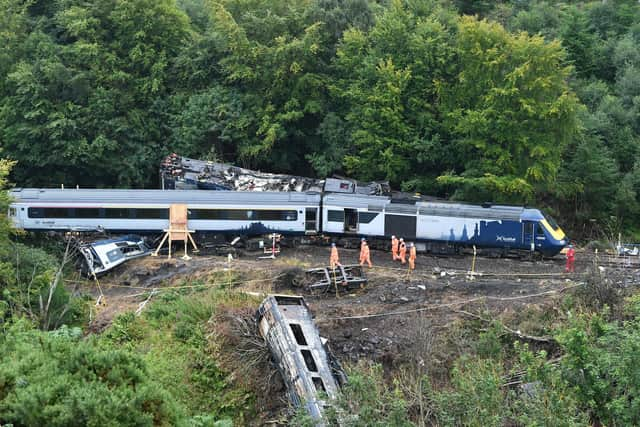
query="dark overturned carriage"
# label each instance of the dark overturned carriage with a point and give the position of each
(436, 226)
(312, 375)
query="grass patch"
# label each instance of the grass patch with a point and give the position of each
(171, 337)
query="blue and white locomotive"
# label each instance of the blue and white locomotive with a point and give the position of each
(443, 226)
(436, 226)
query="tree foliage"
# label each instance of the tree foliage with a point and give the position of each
(509, 109)
(423, 94)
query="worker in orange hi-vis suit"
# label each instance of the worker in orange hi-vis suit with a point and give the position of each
(412, 256)
(365, 254)
(394, 247)
(334, 260)
(403, 251)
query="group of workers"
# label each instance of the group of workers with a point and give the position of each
(398, 251)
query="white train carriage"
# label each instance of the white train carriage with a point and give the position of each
(148, 210)
(374, 216)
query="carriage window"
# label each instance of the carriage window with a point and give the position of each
(87, 212)
(236, 214)
(152, 213)
(205, 214)
(244, 215)
(275, 215)
(115, 255)
(12, 211)
(56, 213)
(366, 217)
(335, 216)
(539, 231)
(552, 222)
(528, 228)
(117, 213)
(35, 213)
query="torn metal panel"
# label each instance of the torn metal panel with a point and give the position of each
(103, 255)
(345, 277)
(311, 374)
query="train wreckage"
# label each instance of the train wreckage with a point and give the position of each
(102, 255)
(183, 173)
(312, 375)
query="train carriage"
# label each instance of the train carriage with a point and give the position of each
(436, 226)
(147, 211)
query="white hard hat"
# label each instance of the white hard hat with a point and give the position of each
(393, 237)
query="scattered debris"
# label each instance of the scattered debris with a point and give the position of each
(103, 255)
(307, 366)
(343, 277)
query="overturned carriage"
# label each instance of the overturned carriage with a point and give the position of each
(312, 375)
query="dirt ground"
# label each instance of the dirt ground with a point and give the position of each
(393, 320)
(436, 290)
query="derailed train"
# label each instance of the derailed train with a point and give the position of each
(436, 226)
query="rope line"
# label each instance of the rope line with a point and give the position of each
(435, 307)
(204, 285)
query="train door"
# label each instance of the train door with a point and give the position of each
(350, 220)
(540, 237)
(528, 236)
(311, 221)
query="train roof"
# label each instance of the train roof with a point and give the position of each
(440, 208)
(46, 195)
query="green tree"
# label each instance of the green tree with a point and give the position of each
(509, 111)
(86, 91)
(600, 365)
(477, 398)
(589, 180)
(26, 275)
(387, 86)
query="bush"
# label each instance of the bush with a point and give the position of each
(58, 379)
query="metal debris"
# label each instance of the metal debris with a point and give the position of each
(182, 173)
(103, 255)
(343, 277)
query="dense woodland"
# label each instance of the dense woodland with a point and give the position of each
(529, 102)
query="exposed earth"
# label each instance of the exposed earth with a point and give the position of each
(397, 317)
